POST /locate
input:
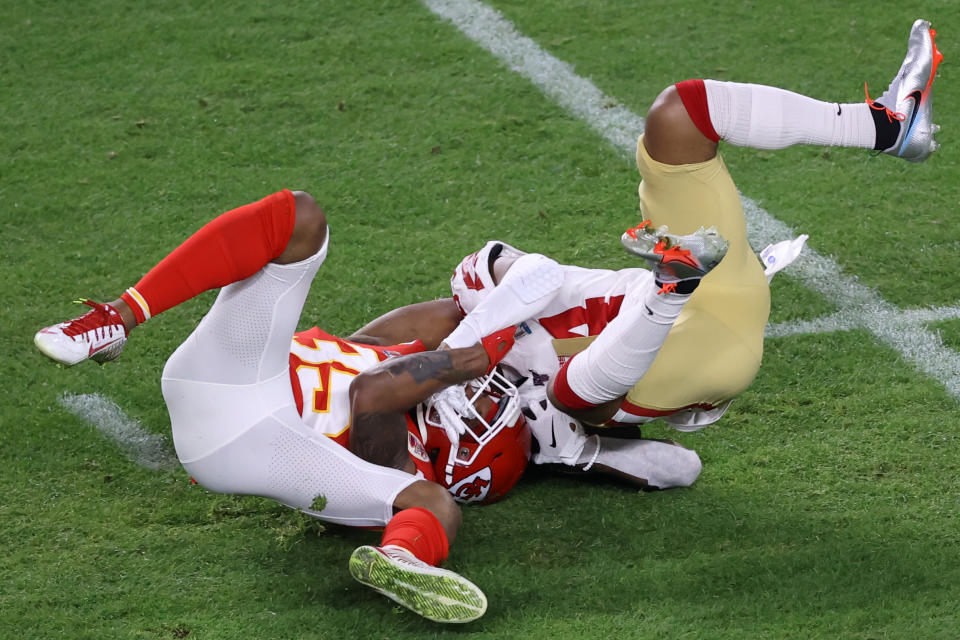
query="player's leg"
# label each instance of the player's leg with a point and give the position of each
(686, 185)
(563, 442)
(236, 430)
(283, 227)
(898, 123)
(592, 384)
(279, 458)
(405, 567)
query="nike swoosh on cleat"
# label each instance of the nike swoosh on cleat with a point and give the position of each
(839, 109)
(95, 350)
(649, 310)
(553, 437)
(916, 96)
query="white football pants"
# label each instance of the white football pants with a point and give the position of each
(235, 424)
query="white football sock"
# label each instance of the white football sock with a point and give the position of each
(625, 349)
(762, 117)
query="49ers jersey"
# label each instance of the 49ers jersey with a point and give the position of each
(322, 366)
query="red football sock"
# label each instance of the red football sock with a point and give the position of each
(229, 248)
(693, 94)
(419, 532)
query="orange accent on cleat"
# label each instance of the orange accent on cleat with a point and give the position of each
(675, 254)
(668, 287)
(632, 232)
(937, 59)
(891, 115)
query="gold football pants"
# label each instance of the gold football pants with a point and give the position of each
(714, 349)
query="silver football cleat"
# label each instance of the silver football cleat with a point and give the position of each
(676, 258)
(908, 98)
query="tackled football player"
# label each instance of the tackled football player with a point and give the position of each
(256, 410)
(612, 348)
(718, 323)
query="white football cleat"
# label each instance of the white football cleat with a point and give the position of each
(434, 593)
(97, 335)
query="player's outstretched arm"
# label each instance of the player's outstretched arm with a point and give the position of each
(429, 322)
(380, 397)
(524, 287)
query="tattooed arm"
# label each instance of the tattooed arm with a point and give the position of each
(381, 396)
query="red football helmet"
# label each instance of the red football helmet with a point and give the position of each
(491, 453)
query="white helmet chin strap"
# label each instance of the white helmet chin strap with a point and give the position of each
(455, 411)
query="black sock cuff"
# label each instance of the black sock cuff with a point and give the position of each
(887, 130)
(684, 287)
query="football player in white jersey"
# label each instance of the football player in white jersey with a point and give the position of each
(234, 387)
(560, 310)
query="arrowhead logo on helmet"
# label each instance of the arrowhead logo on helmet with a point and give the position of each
(473, 488)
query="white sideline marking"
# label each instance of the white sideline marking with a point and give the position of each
(146, 449)
(862, 307)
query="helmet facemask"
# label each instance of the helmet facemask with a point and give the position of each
(481, 409)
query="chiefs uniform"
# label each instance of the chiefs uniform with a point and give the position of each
(253, 412)
(233, 418)
(322, 367)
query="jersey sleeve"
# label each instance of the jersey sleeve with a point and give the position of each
(472, 279)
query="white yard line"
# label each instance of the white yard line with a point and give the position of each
(904, 331)
(146, 449)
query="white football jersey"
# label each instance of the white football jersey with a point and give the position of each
(584, 304)
(322, 367)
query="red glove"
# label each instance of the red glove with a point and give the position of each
(498, 345)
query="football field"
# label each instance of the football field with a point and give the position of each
(828, 506)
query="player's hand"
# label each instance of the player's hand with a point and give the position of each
(451, 405)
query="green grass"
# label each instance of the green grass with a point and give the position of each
(828, 505)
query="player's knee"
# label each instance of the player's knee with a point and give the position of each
(666, 110)
(670, 135)
(435, 499)
(309, 230)
(311, 220)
